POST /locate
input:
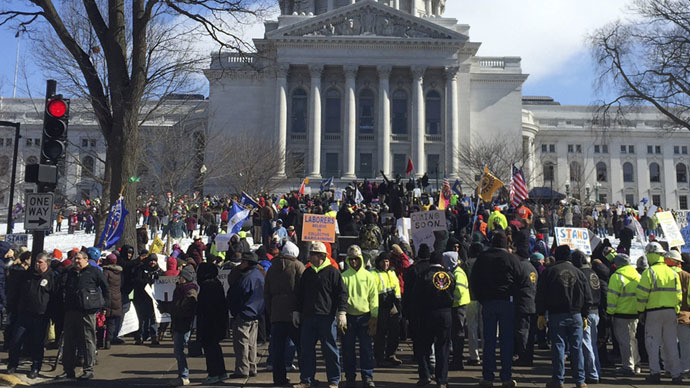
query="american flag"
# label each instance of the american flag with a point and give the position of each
(518, 188)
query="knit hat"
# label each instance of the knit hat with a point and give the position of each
(499, 240)
(450, 259)
(536, 257)
(93, 253)
(540, 236)
(424, 252)
(250, 257)
(187, 273)
(382, 256)
(66, 263)
(111, 259)
(57, 254)
(562, 253)
(622, 260)
(642, 263)
(290, 250)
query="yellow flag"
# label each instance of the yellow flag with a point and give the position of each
(156, 245)
(441, 201)
(488, 185)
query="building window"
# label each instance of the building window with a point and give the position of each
(628, 174)
(552, 148)
(604, 149)
(631, 149)
(9, 142)
(332, 111)
(433, 165)
(93, 143)
(299, 111)
(87, 167)
(657, 149)
(4, 165)
(629, 199)
(578, 148)
(683, 202)
(676, 150)
(681, 173)
(366, 111)
(601, 172)
(650, 149)
(548, 172)
(400, 112)
(602, 198)
(29, 141)
(571, 148)
(575, 172)
(544, 148)
(596, 149)
(365, 166)
(37, 142)
(84, 142)
(332, 167)
(684, 150)
(433, 113)
(656, 200)
(624, 149)
(399, 164)
(654, 173)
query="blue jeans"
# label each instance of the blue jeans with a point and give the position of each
(566, 328)
(148, 328)
(358, 329)
(590, 352)
(29, 328)
(179, 343)
(499, 312)
(282, 348)
(319, 328)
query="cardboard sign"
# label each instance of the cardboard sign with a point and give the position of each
(651, 211)
(130, 320)
(423, 226)
(575, 238)
(17, 240)
(162, 290)
(338, 195)
(686, 236)
(318, 228)
(670, 228)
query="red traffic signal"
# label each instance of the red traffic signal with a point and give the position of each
(56, 107)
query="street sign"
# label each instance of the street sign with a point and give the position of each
(39, 211)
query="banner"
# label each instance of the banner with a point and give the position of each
(575, 238)
(488, 185)
(670, 228)
(115, 225)
(318, 228)
(424, 224)
(686, 236)
(641, 237)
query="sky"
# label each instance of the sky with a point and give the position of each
(550, 37)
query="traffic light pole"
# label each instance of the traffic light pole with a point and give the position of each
(10, 220)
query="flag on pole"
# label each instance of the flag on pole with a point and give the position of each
(305, 182)
(246, 200)
(236, 218)
(518, 188)
(326, 184)
(410, 167)
(444, 195)
(115, 225)
(358, 196)
(457, 187)
(488, 185)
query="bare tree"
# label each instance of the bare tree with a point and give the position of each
(645, 61)
(498, 156)
(117, 85)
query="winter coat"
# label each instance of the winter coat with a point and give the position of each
(246, 297)
(144, 274)
(142, 239)
(556, 295)
(212, 310)
(496, 275)
(196, 251)
(280, 288)
(12, 285)
(113, 274)
(190, 223)
(154, 223)
(89, 278)
(34, 291)
(182, 309)
(362, 291)
(3, 278)
(321, 291)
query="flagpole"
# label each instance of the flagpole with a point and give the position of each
(479, 200)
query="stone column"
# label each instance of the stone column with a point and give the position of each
(396, 4)
(350, 121)
(453, 123)
(384, 119)
(331, 5)
(436, 8)
(427, 7)
(418, 132)
(315, 121)
(281, 115)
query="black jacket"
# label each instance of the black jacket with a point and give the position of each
(410, 278)
(527, 289)
(89, 278)
(562, 288)
(433, 290)
(597, 287)
(212, 310)
(496, 275)
(35, 291)
(322, 293)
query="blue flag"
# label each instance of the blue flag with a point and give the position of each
(236, 217)
(457, 188)
(326, 184)
(246, 200)
(115, 225)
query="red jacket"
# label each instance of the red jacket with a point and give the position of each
(400, 264)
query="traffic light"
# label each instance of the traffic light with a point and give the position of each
(55, 121)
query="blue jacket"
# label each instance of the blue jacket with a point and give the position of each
(246, 297)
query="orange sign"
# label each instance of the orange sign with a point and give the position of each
(317, 227)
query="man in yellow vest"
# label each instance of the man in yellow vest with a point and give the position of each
(658, 297)
(461, 299)
(621, 303)
(497, 220)
(388, 325)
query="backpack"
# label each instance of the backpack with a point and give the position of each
(368, 238)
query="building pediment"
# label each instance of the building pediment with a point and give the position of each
(366, 19)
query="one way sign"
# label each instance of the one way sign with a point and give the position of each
(38, 211)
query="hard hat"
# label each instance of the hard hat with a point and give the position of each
(354, 251)
(318, 247)
(654, 247)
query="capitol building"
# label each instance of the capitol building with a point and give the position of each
(350, 88)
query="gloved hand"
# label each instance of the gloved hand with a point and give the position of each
(541, 322)
(372, 326)
(585, 323)
(295, 318)
(341, 321)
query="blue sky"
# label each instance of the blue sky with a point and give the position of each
(550, 36)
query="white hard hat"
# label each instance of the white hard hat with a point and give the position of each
(654, 247)
(318, 247)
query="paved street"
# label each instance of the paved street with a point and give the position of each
(138, 366)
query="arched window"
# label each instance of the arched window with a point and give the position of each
(332, 111)
(299, 111)
(575, 172)
(399, 112)
(433, 113)
(4, 165)
(602, 175)
(87, 167)
(366, 111)
(549, 172)
(681, 173)
(654, 173)
(628, 172)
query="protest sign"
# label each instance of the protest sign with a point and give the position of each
(17, 240)
(162, 291)
(686, 236)
(130, 320)
(575, 238)
(641, 237)
(403, 226)
(423, 226)
(338, 195)
(651, 211)
(162, 262)
(222, 242)
(318, 228)
(670, 228)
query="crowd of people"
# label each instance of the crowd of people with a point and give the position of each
(493, 276)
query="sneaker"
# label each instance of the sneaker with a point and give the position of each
(179, 382)
(211, 380)
(423, 382)
(332, 385)
(486, 384)
(583, 385)
(302, 385)
(33, 374)
(291, 368)
(509, 384)
(474, 362)
(65, 376)
(224, 376)
(394, 360)
(369, 384)
(86, 376)
(653, 379)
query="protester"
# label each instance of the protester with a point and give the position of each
(145, 274)
(211, 321)
(113, 314)
(388, 323)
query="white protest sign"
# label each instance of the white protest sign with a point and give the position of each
(640, 209)
(403, 226)
(130, 320)
(641, 237)
(417, 192)
(162, 262)
(17, 240)
(423, 226)
(670, 228)
(651, 211)
(338, 194)
(575, 238)
(222, 242)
